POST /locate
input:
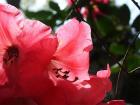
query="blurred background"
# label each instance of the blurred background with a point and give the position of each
(115, 28)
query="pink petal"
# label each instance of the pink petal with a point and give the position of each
(3, 77)
(32, 67)
(97, 92)
(67, 93)
(32, 32)
(18, 101)
(43, 49)
(14, 26)
(9, 9)
(9, 28)
(114, 102)
(36, 39)
(104, 73)
(6, 93)
(63, 94)
(73, 49)
(32, 79)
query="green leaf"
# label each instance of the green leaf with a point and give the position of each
(138, 45)
(105, 25)
(136, 23)
(41, 15)
(54, 6)
(117, 49)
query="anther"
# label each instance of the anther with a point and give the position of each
(63, 74)
(76, 78)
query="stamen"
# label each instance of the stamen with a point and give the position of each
(63, 74)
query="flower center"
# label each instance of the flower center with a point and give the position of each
(11, 55)
(63, 74)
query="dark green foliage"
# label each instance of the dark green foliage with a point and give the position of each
(133, 62)
(136, 23)
(54, 6)
(117, 49)
(105, 25)
(124, 14)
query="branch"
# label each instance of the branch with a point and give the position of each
(134, 70)
(74, 9)
(136, 4)
(130, 46)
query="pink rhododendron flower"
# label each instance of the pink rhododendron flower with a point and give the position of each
(26, 47)
(71, 59)
(88, 92)
(32, 61)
